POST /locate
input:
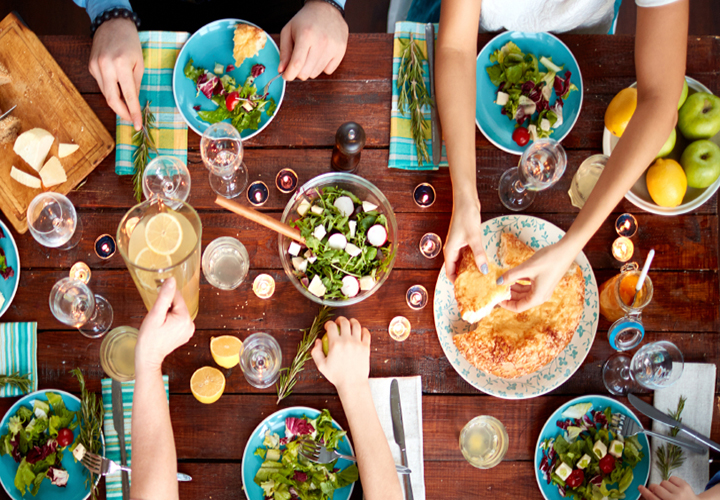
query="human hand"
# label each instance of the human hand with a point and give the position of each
(116, 59)
(464, 231)
(348, 361)
(313, 42)
(673, 489)
(166, 327)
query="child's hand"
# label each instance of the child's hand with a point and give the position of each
(348, 361)
(673, 489)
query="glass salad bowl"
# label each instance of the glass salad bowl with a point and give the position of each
(302, 199)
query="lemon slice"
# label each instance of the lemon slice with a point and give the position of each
(163, 234)
(226, 350)
(207, 384)
(150, 260)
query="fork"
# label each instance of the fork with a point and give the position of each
(267, 85)
(627, 427)
(318, 453)
(103, 466)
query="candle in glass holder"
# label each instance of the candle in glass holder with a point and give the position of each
(416, 297)
(81, 272)
(430, 245)
(258, 193)
(626, 225)
(622, 249)
(424, 195)
(286, 180)
(399, 328)
(264, 286)
(105, 246)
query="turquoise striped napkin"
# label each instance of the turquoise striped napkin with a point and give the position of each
(18, 353)
(403, 153)
(160, 50)
(113, 482)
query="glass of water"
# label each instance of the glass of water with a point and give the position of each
(225, 263)
(541, 165)
(484, 442)
(222, 152)
(654, 366)
(167, 177)
(73, 304)
(53, 221)
(261, 360)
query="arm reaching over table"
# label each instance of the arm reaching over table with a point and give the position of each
(154, 462)
(677, 489)
(347, 366)
(661, 42)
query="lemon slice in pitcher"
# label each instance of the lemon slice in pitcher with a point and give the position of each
(151, 260)
(163, 234)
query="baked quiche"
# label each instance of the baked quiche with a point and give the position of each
(249, 41)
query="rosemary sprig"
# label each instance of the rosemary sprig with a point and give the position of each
(670, 457)
(91, 417)
(413, 94)
(21, 382)
(288, 376)
(145, 145)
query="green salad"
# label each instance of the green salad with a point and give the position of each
(287, 475)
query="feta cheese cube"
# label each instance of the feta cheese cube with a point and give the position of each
(316, 210)
(353, 226)
(584, 461)
(563, 471)
(599, 449)
(367, 283)
(533, 132)
(310, 256)
(79, 452)
(320, 232)
(303, 207)
(352, 250)
(294, 249)
(616, 448)
(317, 288)
(545, 124)
(502, 98)
(299, 264)
(2, 300)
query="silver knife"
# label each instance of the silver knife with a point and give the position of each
(7, 112)
(183, 477)
(657, 415)
(436, 130)
(119, 424)
(399, 433)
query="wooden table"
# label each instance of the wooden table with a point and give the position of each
(210, 439)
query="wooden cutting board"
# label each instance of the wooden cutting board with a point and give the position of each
(47, 99)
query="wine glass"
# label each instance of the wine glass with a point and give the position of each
(53, 221)
(221, 149)
(541, 165)
(654, 366)
(261, 360)
(167, 177)
(73, 304)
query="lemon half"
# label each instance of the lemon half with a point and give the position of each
(226, 350)
(207, 384)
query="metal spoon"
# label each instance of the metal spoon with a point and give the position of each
(643, 275)
(7, 112)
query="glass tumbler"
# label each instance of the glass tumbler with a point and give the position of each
(654, 366)
(225, 263)
(117, 353)
(484, 442)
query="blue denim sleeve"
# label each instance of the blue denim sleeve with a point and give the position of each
(96, 7)
(341, 3)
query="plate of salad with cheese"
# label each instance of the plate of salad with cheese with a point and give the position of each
(273, 468)
(579, 456)
(9, 268)
(529, 87)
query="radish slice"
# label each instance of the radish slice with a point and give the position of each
(310, 256)
(367, 283)
(305, 281)
(337, 241)
(320, 232)
(299, 264)
(377, 235)
(350, 286)
(345, 205)
(368, 207)
(353, 225)
(352, 250)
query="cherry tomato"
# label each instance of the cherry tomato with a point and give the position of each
(65, 437)
(521, 136)
(607, 464)
(575, 478)
(231, 100)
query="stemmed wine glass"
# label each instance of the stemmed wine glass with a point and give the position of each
(53, 221)
(167, 177)
(73, 304)
(221, 149)
(654, 366)
(261, 360)
(541, 165)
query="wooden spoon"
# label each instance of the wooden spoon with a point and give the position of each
(260, 218)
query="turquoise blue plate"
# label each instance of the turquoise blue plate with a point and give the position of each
(498, 128)
(214, 43)
(75, 489)
(276, 423)
(9, 286)
(641, 472)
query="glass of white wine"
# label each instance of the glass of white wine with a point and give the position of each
(167, 177)
(74, 304)
(484, 442)
(222, 152)
(261, 360)
(53, 221)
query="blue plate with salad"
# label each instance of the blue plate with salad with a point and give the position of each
(9, 268)
(208, 88)
(529, 87)
(579, 456)
(272, 467)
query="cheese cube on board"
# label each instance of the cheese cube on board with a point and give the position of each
(53, 173)
(33, 146)
(25, 179)
(67, 149)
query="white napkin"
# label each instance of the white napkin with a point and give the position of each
(697, 384)
(411, 404)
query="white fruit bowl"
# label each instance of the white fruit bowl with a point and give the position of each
(694, 197)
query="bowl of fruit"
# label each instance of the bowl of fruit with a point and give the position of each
(686, 172)
(350, 239)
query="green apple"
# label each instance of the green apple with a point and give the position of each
(669, 145)
(701, 161)
(699, 117)
(325, 345)
(683, 95)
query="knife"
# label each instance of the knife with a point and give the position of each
(7, 112)
(399, 433)
(658, 416)
(119, 424)
(434, 118)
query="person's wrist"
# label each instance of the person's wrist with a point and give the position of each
(114, 16)
(349, 387)
(331, 4)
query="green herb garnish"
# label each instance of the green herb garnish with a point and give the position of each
(145, 145)
(90, 436)
(413, 94)
(669, 456)
(22, 382)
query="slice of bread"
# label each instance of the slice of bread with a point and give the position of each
(4, 75)
(9, 129)
(476, 293)
(249, 41)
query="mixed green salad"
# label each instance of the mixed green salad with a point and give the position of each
(241, 104)
(287, 475)
(587, 460)
(347, 244)
(524, 92)
(5, 270)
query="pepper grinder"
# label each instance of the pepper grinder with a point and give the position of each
(349, 143)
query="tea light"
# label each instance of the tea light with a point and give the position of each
(416, 297)
(399, 328)
(286, 180)
(105, 246)
(626, 225)
(424, 195)
(430, 245)
(622, 249)
(258, 193)
(264, 286)
(81, 272)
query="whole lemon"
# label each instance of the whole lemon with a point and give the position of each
(666, 182)
(620, 110)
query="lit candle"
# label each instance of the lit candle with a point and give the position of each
(430, 245)
(399, 328)
(81, 272)
(416, 297)
(626, 225)
(622, 249)
(424, 195)
(257, 193)
(264, 286)
(286, 180)
(105, 246)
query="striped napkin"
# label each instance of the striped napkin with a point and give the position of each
(113, 482)
(18, 353)
(403, 153)
(160, 49)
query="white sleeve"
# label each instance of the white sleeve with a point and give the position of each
(653, 3)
